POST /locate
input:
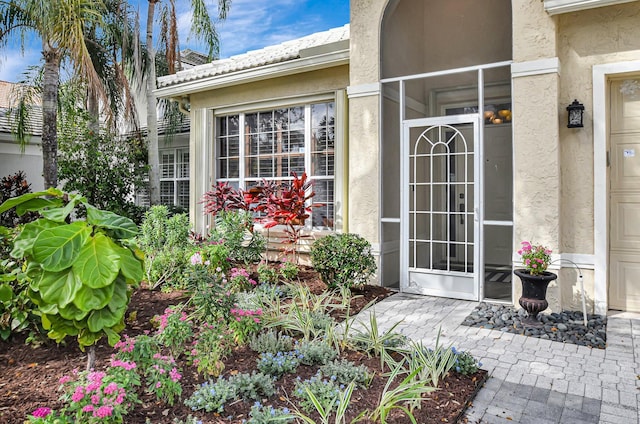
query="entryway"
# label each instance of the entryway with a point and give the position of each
(439, 206)
(624, 194)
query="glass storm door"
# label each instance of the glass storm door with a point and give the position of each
(439, 207)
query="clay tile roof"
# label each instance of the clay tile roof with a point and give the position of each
(289, 50)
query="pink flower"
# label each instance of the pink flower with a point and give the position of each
(95, 399)
(256, 320)
(87, 408)
(78, 394)
(41, 412)
(238, 319)
(196, 259)
(158, 385)
(64, 379)
(103, 412)
(111, 388)
(175, 375)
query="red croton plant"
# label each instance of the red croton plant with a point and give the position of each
(277, 204)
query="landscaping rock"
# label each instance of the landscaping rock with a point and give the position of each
(567, 326)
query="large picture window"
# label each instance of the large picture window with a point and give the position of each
(174, 177)
(272, 144)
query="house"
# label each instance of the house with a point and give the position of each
(439, 131)
(12, 159)
(173, 149)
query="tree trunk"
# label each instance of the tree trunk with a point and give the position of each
(50, 83)
(152, 117)
(91, 357)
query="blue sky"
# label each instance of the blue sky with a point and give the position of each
(251, 24)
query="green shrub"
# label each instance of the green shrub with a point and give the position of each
(211, 396)
(268, 415)
(343, 260)
(316, 352)
(254, 386)
(465, 363)
(279, 363)
(235, 229)
(326, 393)
(165, 242)
(288, 270)
(267, 274)
(344, 372)
(271, 342)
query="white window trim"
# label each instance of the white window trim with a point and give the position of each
(340, 161)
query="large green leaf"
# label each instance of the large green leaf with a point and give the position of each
(98, 262)
(104, 318)
(60, 214)
(112, 336)
(120, 298)
(6, 293)
(24, 241)
(59, 288)
(15, 201)
(88, 338)
(89, 299)
(71, 312)
(122, 227)
(37, 205)
(57, 248)
(130, 266)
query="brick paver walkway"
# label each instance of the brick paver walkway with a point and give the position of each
(532, 380)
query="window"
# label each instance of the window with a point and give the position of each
(174, 177)
(272, 144)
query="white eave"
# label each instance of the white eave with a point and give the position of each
(555, 7)
(317, 51)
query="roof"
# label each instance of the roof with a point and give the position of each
(9, 92)
(289, 50)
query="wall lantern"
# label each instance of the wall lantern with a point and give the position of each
(576, 110)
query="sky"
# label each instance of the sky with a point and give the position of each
(250, 25)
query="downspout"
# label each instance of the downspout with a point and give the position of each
(184, 105)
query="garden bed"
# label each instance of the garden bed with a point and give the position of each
(30, 375)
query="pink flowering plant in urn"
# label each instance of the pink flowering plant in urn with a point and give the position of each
(535, 258)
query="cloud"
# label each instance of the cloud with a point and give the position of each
(13, 63)
(254, 24)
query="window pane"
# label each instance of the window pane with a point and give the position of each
(166, 165)
(323, 215)
(166, 193)
(182, 164)
(183, 194)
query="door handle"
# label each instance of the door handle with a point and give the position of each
(461, 209)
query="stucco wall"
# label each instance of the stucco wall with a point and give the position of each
(595, 36)
(304, 84)
(12, 161)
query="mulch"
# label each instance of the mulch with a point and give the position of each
(29, 375)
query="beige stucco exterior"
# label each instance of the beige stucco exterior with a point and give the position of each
(553, 54)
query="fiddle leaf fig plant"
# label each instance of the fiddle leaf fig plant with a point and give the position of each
(80, 273)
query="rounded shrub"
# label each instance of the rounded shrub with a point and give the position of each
(343, 260)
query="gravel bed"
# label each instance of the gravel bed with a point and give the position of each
(567, 326)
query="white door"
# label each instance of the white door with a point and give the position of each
(624, 218)
(439, 223)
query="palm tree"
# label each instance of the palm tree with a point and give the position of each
(62, 27)
(203, 28)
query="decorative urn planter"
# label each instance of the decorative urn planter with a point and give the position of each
(534, 293)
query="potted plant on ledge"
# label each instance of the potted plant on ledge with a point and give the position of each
(535, 279)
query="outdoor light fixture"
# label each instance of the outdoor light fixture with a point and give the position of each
(576, 110)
